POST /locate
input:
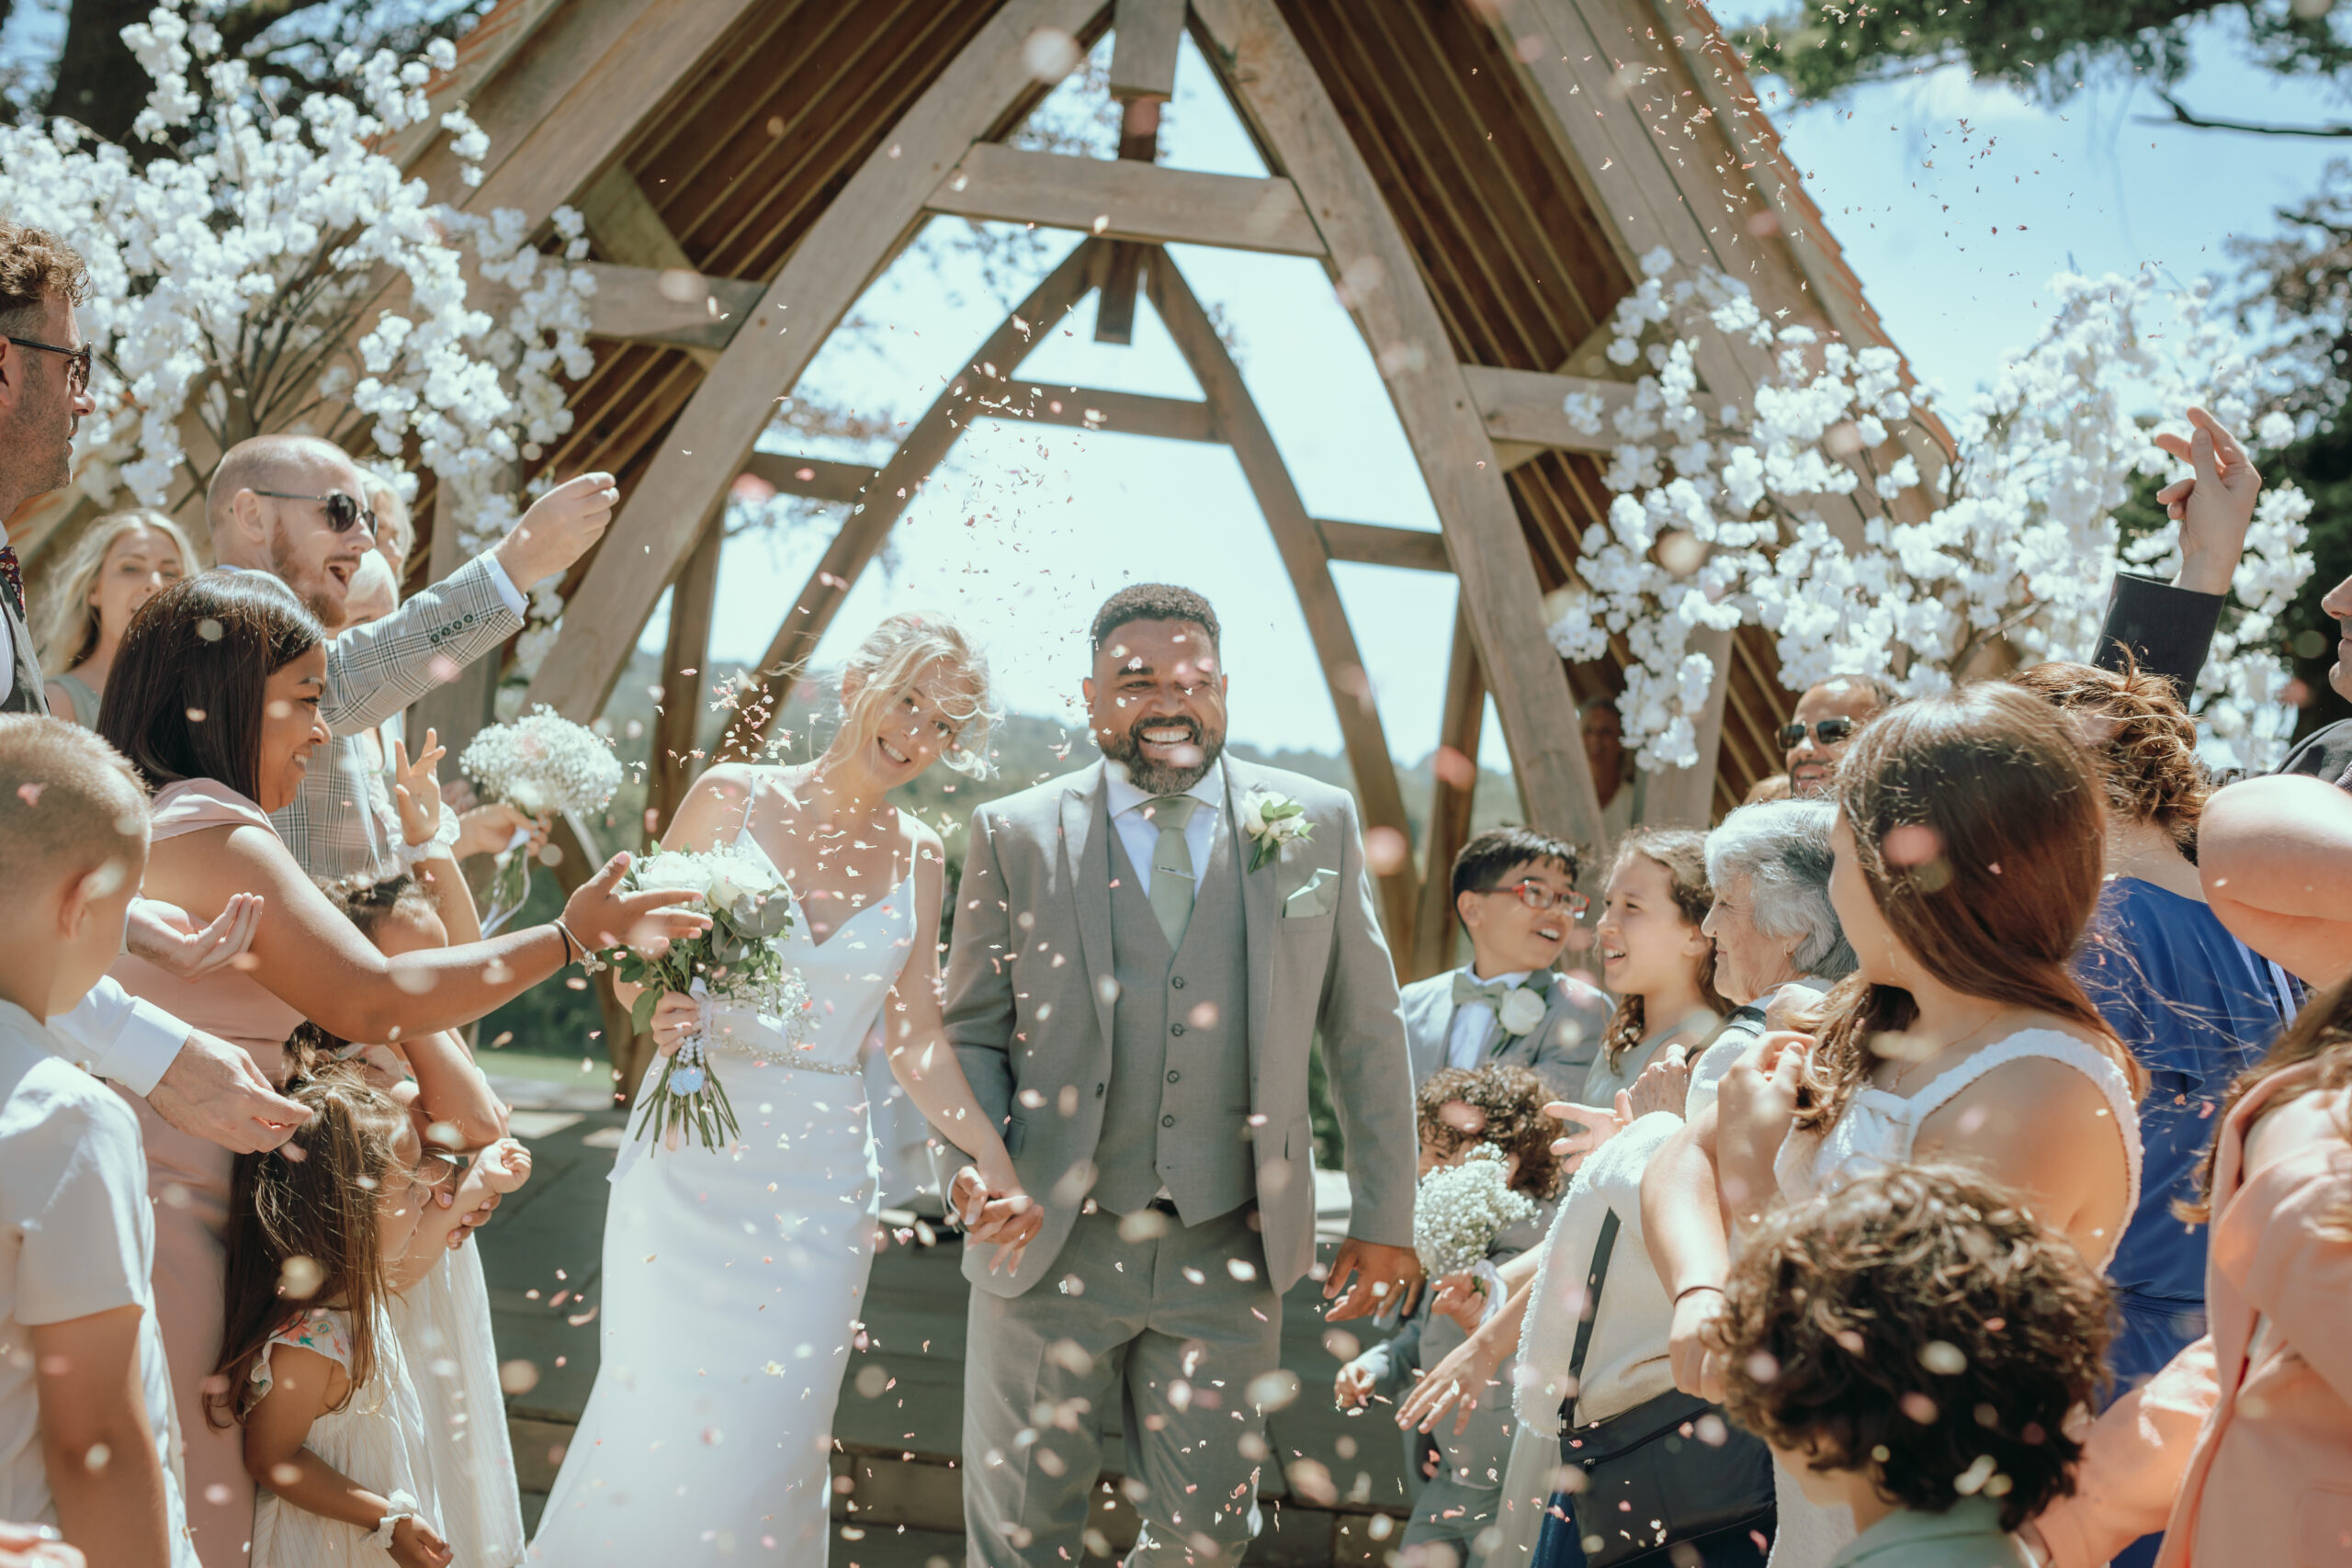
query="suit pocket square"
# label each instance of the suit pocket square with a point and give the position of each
(1315, 900)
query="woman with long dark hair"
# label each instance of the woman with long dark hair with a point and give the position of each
(1969, 844)
(214, 698)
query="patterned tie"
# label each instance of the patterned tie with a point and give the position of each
(1171, 864)
(14, 576)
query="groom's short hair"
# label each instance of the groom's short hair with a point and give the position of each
(1152, 601)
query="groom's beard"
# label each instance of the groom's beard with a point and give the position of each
(1126, 749)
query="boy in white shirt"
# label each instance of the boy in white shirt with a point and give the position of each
(87, 1441)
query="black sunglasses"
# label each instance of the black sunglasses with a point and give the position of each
(77, 360)
(342, 511)
(1828, 732)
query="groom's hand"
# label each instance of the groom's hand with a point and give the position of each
(1383, 1274)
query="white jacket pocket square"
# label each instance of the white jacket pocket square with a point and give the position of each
(1314, 900)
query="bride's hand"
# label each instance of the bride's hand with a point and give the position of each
(676, 1017)
(1005, 1215)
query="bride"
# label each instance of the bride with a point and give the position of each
(732, 1280)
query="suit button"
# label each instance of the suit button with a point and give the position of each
(1178, 982)
(1173, 1077)
(1098, 1092)
(1175, 1029)
(1168, 1121)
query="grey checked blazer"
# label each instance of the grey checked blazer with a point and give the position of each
(1030, 993)
(332, 827)
(1560, 1049)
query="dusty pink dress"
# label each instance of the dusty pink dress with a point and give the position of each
(188, 1179)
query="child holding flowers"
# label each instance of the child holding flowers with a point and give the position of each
(1486, 1117)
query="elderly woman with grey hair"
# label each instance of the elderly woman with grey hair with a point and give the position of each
(1775, 934)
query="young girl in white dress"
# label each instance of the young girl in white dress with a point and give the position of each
(1969, 840)
(323, 1233)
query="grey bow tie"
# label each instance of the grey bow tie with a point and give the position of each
(1467, 989)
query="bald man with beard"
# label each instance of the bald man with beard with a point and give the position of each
(295, 506)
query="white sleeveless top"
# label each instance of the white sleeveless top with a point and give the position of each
(1877, 1128)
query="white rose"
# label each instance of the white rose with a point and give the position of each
(674, 872)
(1522, 1010)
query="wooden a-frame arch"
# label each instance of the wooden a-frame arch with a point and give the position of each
(1321, 200)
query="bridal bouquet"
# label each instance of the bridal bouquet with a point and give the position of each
(540, 764)
(1458, 1210)
(735, 961)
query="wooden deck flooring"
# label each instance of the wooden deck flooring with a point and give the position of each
(897, 1500)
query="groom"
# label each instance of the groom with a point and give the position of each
(1138, 975)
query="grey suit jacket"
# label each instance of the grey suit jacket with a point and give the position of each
(1560, 1049)
(1029, 995)
(374, 672)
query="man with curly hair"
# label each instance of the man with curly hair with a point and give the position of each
(1910, 1344)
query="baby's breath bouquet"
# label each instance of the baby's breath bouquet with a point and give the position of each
(735, 961)
(1458, 1210)
(540, 764)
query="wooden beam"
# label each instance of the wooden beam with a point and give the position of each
(860, 229)
(481, 54)
(886, 498)
(1143, 49)
(623, 222)
(678, 306)
(685, 673)
(459, 708)
(1371, 544)
(1301, 547)
(1121, 199)
(1095, 408)
(1529, 406)
(1295, 121)
(813, 476)
(1685, 797)
(1450, 804)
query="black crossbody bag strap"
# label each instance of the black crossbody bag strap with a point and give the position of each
(1601, 1248)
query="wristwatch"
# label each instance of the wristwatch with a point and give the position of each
(399, 1505)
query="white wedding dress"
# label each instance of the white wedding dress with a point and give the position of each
(731, 1284)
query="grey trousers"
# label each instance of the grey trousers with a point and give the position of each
(1172, 1327)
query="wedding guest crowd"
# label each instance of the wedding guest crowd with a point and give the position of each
(1951, 1168)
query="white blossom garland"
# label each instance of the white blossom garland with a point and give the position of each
(230, 263)
(1717, 518)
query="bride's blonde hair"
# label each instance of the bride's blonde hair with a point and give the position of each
(899, 654)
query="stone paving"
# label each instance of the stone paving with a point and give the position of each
(901, 1414)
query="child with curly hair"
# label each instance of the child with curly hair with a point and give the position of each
(1460, 1110)
(1911, 1343)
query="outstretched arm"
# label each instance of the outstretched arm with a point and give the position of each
(103, 1470)
(2275, 855)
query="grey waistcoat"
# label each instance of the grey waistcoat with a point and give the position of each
(1178, 1097)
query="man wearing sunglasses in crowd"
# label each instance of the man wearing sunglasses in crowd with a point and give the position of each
(1827, 718)
(293, 506)
(1515, 893)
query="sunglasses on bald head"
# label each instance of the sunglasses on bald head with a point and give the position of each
(342, 512)
(1828, 732)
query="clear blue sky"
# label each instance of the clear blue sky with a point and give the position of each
(1954, 202)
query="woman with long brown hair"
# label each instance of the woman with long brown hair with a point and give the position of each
(1969, 848)
(215, 699)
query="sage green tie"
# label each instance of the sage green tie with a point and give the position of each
(1172, 883)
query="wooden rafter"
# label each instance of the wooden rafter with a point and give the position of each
(1528, 406)
(1291, 113)
(864, 225)
(1300, 547)
(1450, 803)
(886, 498)
(685, 661)
(1123, 199)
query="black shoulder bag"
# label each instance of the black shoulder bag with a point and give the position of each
(1651, 1481)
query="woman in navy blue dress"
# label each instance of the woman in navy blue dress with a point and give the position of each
(2196, 1006)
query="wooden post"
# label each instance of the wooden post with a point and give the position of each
(685, 676)
(1296, 123)
(459, 708)
(1301, 551)
(1450, 803)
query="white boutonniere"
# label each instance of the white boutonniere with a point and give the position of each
(1273, 823)
(1522, 1010)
